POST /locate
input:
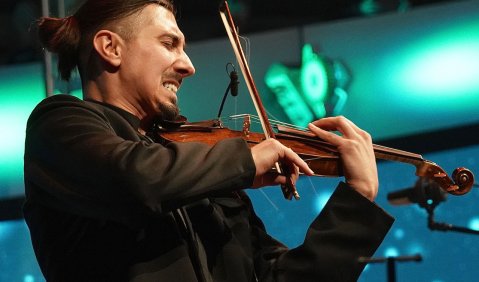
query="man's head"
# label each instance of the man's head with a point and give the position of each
(70, 36)
(129, 53)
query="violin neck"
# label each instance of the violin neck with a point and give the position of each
(391, 154)
(381, 152)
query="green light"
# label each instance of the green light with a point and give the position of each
(369, 7)
(305, 92)
(441, 67)
(21, 88)
(314, 80)
(341, 97)
(445, 69)
(288, 97)
(77, 93)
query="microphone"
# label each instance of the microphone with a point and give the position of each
(234, 83)
(232, 87)
(422, 193)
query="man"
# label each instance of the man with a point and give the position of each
(105, 203)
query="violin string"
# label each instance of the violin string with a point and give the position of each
(271, 115)
(255, 119)
(311, 159)
(277, 122)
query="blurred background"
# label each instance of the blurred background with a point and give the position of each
(407, 71)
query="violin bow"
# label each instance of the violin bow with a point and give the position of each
(289, 189)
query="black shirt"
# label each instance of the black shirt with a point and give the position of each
(105, 204)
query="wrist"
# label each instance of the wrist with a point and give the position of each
(368, 189)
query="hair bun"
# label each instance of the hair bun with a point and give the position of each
(61, 36)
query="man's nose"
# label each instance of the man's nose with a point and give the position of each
(185, 66)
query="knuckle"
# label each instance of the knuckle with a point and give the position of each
(342, 120)
(274, 143)
(365, 135)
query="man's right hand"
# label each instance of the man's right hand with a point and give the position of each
(266, 154)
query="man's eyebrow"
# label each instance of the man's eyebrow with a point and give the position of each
(175, 37)
(170, 35)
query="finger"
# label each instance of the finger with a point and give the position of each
(295, 175)
(291, 171)
(339, 123)
(327, 136)
(297, 161)
(270, 179)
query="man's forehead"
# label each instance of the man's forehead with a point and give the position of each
(159, 16)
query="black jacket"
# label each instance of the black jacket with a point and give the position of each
(104, 203)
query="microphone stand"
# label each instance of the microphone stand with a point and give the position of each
(442, 226)
(428, 195)
(391, 263)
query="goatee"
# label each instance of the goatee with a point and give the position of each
(169, 112)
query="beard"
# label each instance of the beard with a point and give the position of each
(169, 112)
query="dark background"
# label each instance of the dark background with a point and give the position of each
(199, 20)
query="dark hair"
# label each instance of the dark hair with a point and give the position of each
(66, 36)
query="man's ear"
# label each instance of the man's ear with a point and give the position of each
(108, 45)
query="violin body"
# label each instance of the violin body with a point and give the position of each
(322, 160)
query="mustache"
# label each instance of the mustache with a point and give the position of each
(173, 76)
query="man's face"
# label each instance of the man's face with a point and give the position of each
(154, 64)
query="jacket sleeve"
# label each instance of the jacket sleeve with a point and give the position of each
(348, 227)
(75, 161)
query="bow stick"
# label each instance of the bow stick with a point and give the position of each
(289, 189)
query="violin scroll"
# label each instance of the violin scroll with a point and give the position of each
(461, 182)
(464, 179)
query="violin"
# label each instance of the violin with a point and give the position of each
(322, 157)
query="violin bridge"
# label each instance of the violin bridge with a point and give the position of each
(246, 125)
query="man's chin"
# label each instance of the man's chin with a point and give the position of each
(171, 112)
